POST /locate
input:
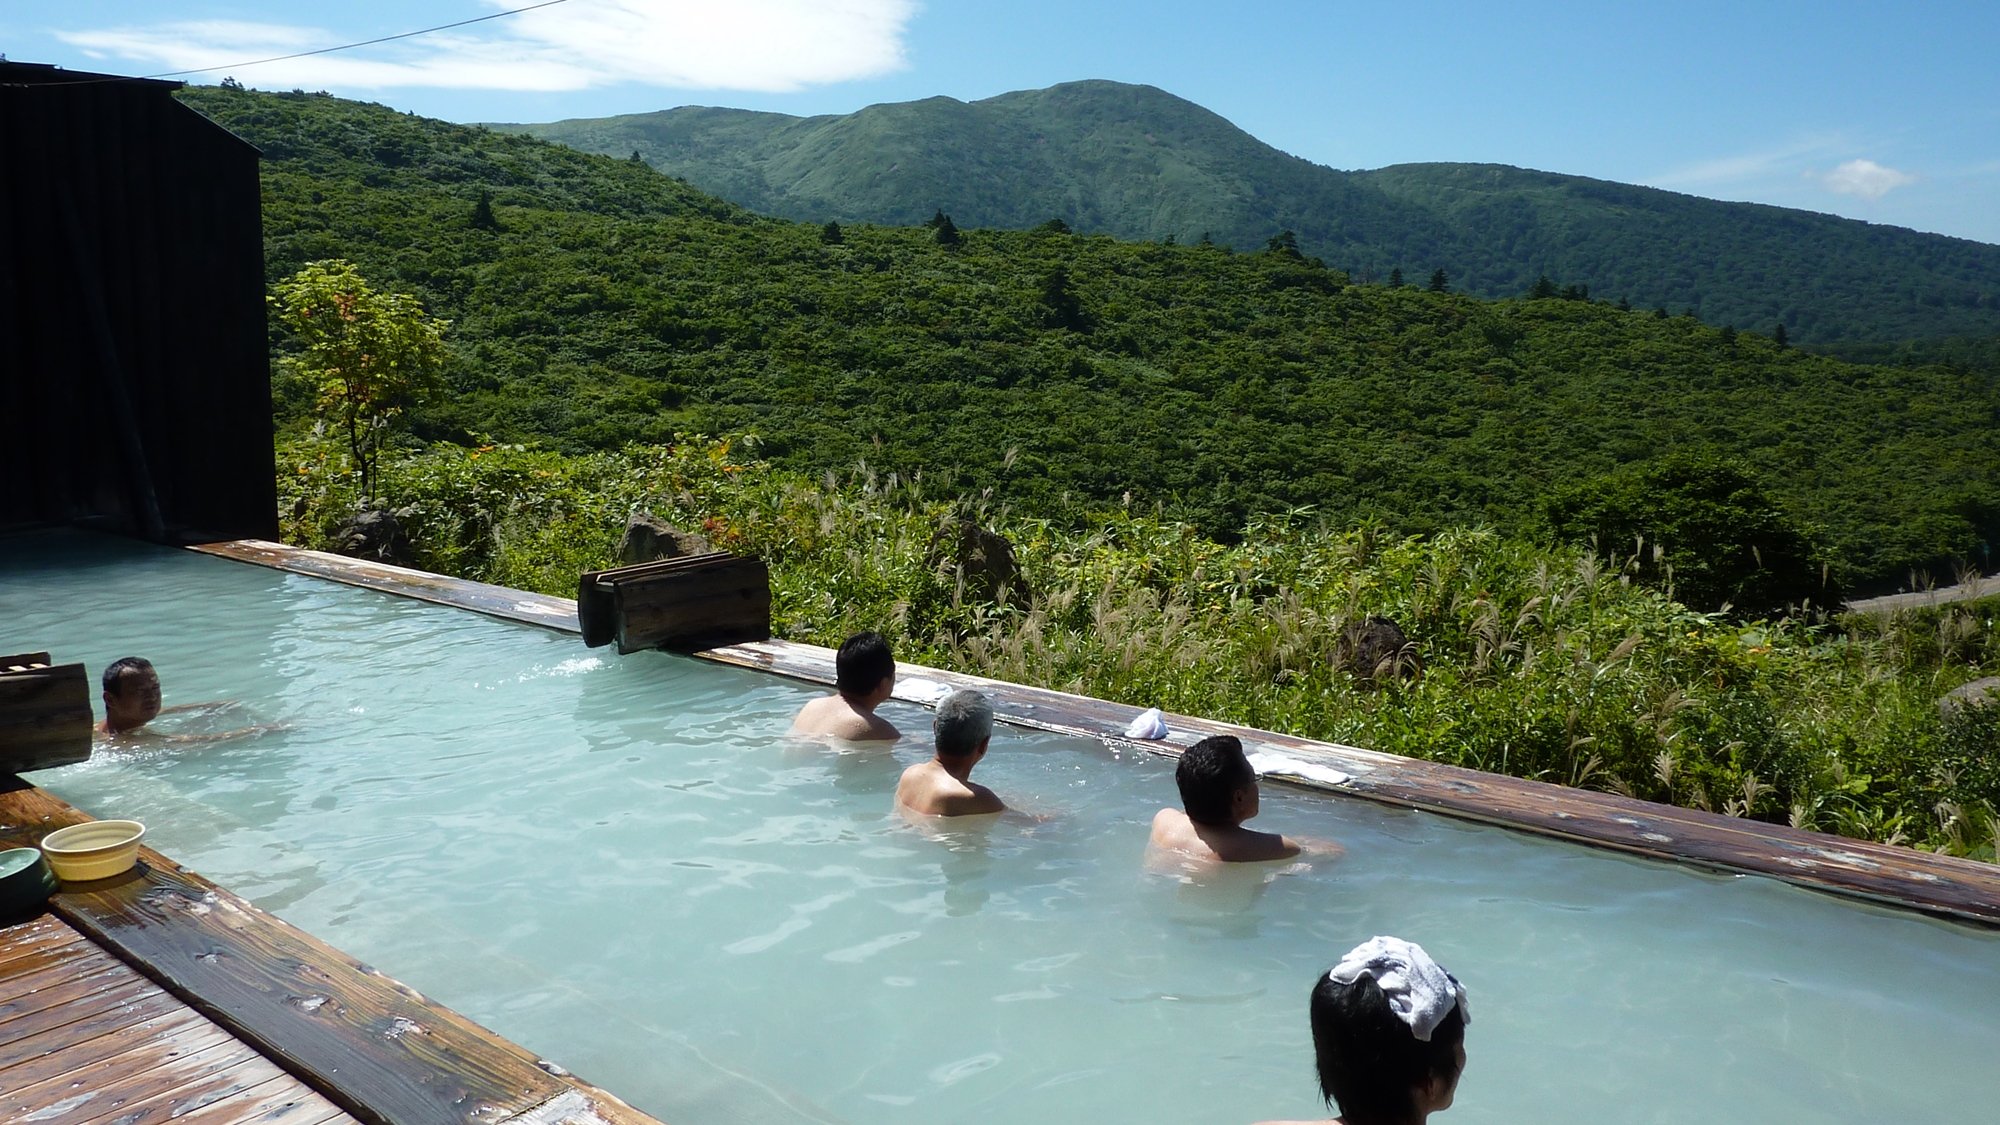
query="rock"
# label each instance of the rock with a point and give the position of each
(985, 558)
(373, 534)
(649, 538)
(1978, 693)
(1374, 649)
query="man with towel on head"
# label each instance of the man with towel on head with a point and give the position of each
(943, 785)
(1388, 1028)
(864, 673)
(1218, 793)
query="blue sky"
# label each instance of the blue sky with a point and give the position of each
(1889, 113)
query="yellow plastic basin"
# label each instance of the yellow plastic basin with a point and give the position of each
(97, 850)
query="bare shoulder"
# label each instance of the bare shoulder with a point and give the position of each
(1169, 826)
(833, 717)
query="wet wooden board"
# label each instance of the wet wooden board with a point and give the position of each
(106, 1045)
(1898, 876)
(364, 1043)
(480, 597)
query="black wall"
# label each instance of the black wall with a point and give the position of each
(134, 373)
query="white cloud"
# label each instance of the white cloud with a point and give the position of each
(1865, 178)
(767, 45)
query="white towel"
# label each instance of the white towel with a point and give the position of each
(1150, 724)
(1420, 992)
(914, 689)
(1284, 765)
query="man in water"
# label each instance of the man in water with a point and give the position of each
(132, 699)
(1219, 792)
(943, 785)
(864, 673)
(1388, 1027)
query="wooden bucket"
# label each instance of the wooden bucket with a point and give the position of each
(683, 605)
(45, 717)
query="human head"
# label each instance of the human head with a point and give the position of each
(964, 723)
(862, 664)
(131, 693)
(1372, 1063)
(1213, 777)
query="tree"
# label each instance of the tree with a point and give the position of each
(1778, 337)
(1543, 289)
(1720, 539)
(944, 229)
(1060, 308)
(1285, 244)
(636, 158)
(1054, 226)
(482, 212)
(368, 354)
(1440, 281)
(831, 234)
(1396, 278)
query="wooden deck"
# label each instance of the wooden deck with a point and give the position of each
(85, 1038)
(158, 991)
(1903, 877)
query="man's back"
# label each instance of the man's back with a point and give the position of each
(930, 789)
(1173, 831)
(834, 716)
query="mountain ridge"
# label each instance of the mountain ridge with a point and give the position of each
(1138, 162)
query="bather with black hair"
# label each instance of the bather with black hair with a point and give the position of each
(132, 700)
(1218, 789)
(864, 673)
(1388, 1028)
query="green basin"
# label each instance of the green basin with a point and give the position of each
(25, 881)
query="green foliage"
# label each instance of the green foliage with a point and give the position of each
(1440, 281)
(1148, 165)
(620, 305)
(1539, 662)
(368, 354)
(1700, 528)
(944, 230)
(831, 234)
(482, 212)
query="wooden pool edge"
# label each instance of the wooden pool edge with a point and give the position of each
(1960, 889)
(369, 1044)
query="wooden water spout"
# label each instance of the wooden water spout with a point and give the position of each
(684, 604)
(45, 716)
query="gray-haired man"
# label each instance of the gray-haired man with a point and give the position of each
(941, 786)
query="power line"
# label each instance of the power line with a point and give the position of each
(282, 58)
(363, 43)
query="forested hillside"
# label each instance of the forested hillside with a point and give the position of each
(595, 301)
(1139, 163)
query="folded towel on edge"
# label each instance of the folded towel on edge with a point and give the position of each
(1150, 724)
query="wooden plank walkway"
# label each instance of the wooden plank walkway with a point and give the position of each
(290, 1006)
(86, 1039)
(1904, 877)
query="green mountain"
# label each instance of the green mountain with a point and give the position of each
(606, 303)
(1138, 163)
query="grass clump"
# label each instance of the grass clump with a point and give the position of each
(1547, 662)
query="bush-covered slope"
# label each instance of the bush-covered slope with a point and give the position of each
(615, 304)
(1137, 162)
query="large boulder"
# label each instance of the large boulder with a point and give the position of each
(649, 538)
(1978, 693)
(373, 534)
(1374, 649)
(985, 558)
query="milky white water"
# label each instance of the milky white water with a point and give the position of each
(623, 864)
